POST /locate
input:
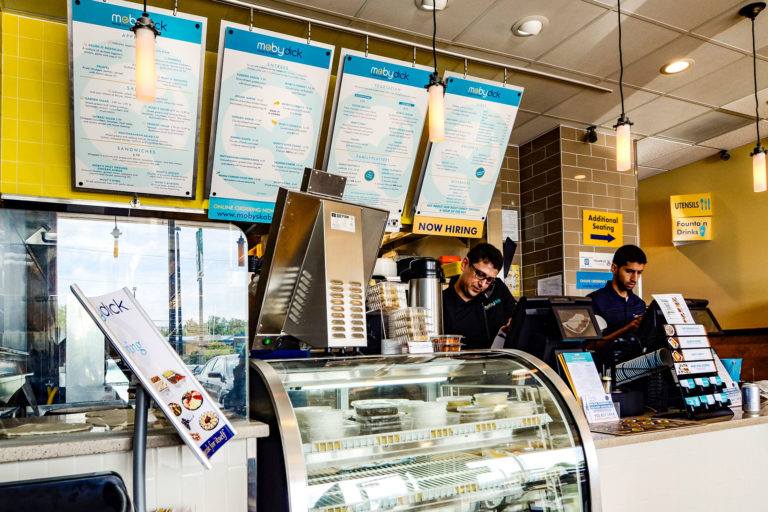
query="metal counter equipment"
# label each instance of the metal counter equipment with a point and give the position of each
(319, 257)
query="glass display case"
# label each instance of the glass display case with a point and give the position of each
(467, 431)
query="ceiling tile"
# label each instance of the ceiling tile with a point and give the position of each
(737, 138)
(732, 29)
(725, 85)
(493, 29)
(708, 57)
(746, 105)
(532, 129)
(706, 126)
(651, 148)
(682, 157)
(662, 113)
(404, 15)
(682, 14)
(541, 94)
(342, 7)
(647, 172)
(593, 107)
(594, 49)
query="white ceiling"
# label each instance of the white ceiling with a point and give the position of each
(678, 119)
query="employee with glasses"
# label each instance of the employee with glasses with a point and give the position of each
(476, 303)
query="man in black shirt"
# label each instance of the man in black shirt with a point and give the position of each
(476, 303)
(616, 303)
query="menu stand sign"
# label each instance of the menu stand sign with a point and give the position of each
(160, 370)
(703, 392)
(267, 114)
(460, 173)
(121, 144)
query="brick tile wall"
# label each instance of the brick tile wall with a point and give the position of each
(601, 189)
(541, 209)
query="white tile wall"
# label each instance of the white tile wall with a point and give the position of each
(171, 473)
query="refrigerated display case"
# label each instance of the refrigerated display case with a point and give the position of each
(467, 431)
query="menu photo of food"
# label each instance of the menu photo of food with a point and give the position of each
(209, 420)
(173, 377)
(159, 384)
(192, 400)
(175, 408)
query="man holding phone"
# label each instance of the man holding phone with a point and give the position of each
(616, 303)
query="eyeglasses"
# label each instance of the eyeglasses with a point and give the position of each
(481, 276)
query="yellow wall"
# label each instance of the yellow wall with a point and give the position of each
(34, 135)
(730, 270)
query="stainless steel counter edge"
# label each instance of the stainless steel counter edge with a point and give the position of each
(49, 447)
(603, 441)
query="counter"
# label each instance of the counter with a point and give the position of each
(172, 469)
(717, 465)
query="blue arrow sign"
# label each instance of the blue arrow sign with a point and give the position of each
(607, 238)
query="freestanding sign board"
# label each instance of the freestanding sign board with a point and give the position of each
(166, 378)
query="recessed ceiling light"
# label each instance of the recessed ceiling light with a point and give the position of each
(529, 26)
(429, 5)
(677, 66)
(580, 176)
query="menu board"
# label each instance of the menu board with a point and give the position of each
(268, 110)
(674, 308)
(376, 125)
(121, 144)
(162, 373)
(460, 173)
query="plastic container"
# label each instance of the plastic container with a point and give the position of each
(447, 343)
(375, 407)
(452, 402)
(472, 413)
(495, 398)
(516, 409)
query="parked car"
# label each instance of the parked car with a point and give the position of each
(218, 377)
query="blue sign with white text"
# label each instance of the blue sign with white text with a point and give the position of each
(592, 280)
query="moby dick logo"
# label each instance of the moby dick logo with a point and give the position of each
(388, 73)
(130, 21)
(482, 93)
(702, 230)
(278, 50)
(113, 308)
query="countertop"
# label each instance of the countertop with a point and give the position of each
(89, 443)
(738, 420)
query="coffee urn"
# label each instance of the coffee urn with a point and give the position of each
(425, 277)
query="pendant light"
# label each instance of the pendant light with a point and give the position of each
(241, 251)
(145, 32)
(116, 234)
(758, 154)
(623, 133)
(436, 88)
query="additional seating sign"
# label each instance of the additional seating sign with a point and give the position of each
(376, 127)
(460, 173)
(121, 144)
(193, 413)
(269, 103)
(691, 218)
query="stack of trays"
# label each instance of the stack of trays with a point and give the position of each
(409, 324)
(387, 295)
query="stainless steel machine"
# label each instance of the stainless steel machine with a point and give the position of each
(319, 258)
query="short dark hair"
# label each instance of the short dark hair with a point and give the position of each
(627, 254)
(486, 252)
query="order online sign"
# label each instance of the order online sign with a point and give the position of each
(194, 415)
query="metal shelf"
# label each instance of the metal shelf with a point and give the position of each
(418, 481)
(324, 451)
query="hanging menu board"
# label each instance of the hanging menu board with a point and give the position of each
(162, 373)
(376, 123)
(460, 172)
(121, 144)
(269, 105)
